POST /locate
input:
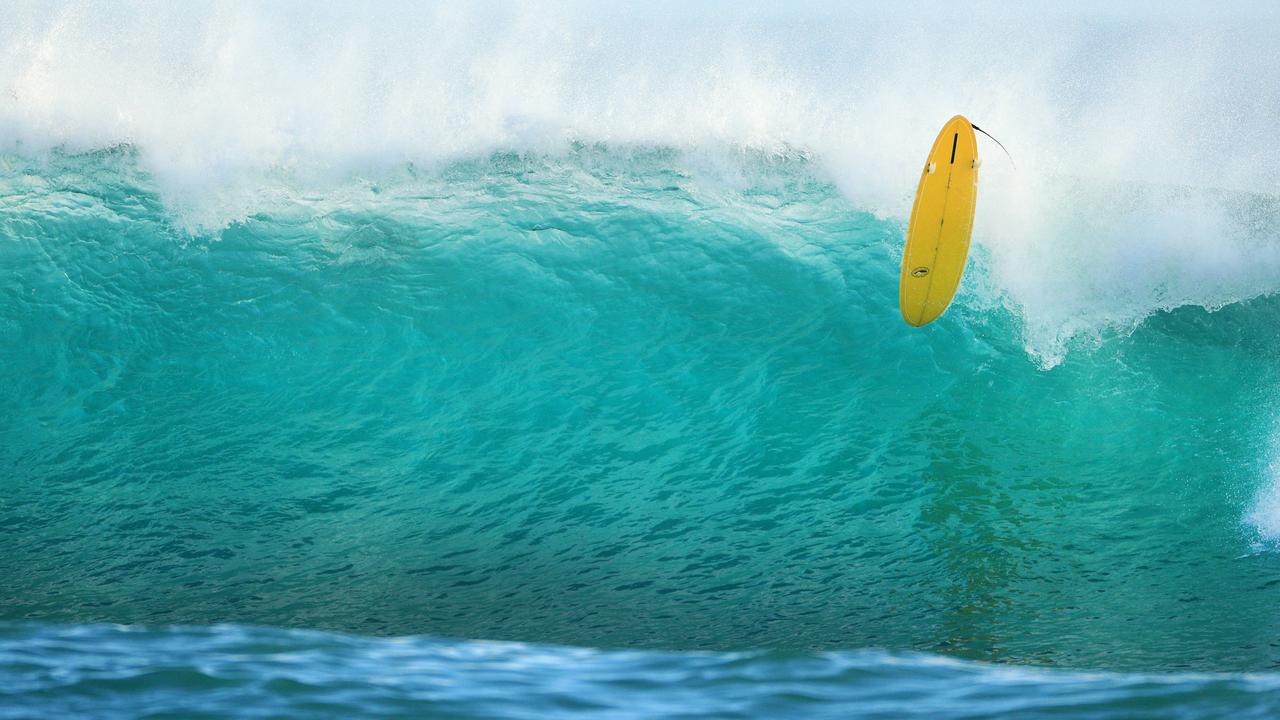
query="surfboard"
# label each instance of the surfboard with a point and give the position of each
(940, 226)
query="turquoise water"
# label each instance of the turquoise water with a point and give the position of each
(607, 402)
(521, 381)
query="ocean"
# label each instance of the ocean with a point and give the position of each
(544, 360)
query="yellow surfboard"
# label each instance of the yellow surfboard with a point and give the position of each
(940, 226)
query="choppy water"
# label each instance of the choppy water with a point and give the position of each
(494, 348)
(225, 670)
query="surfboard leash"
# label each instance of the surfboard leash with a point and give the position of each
(1006, 152)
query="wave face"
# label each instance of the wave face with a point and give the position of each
(109, 672)
(578, 326)
(611, 399)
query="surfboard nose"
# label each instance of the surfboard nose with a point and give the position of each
(938, 233)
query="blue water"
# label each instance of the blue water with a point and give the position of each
(505, 376)
(229, 670)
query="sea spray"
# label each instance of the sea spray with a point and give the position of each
(1140, 138)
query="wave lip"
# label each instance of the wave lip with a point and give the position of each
(245, 671)
(1128, 202)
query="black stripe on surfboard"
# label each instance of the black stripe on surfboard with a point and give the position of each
(954, 139)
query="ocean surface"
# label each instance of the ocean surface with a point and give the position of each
(544, 360)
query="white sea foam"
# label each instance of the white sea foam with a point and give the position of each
(1263, 515)
(1144, 134)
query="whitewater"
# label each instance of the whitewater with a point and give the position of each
(509, 341)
